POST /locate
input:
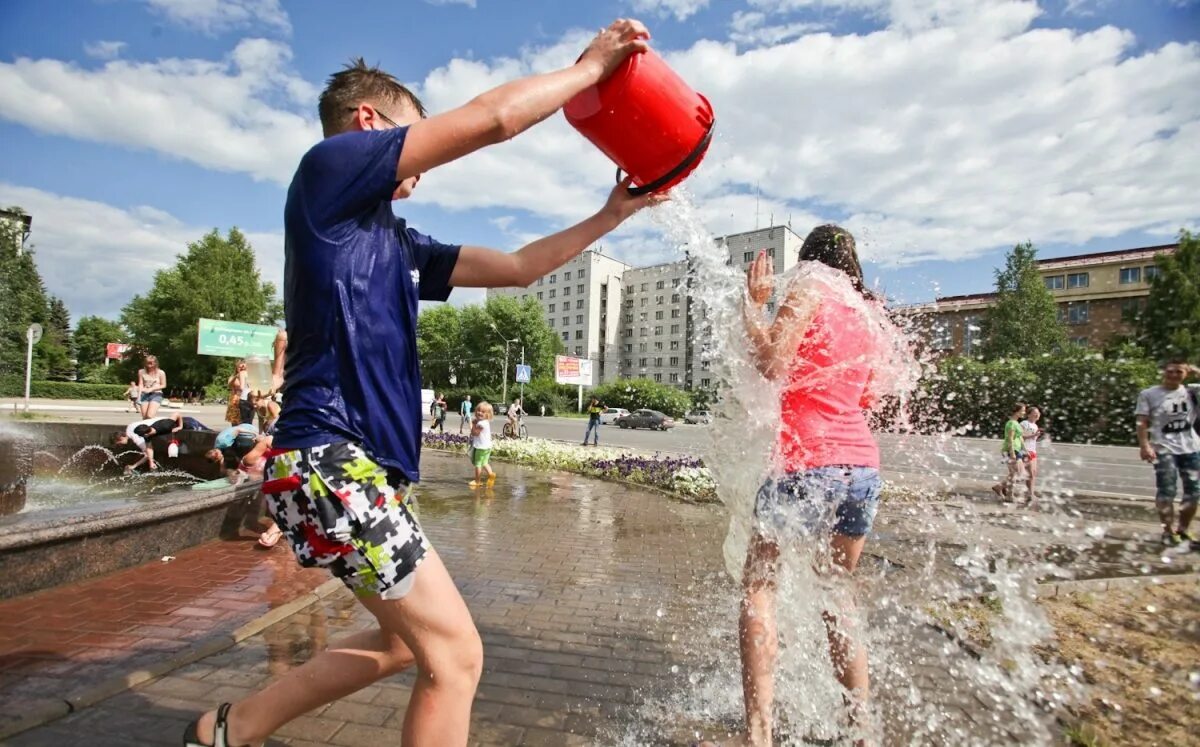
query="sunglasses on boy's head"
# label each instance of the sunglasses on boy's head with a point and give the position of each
(382, 116)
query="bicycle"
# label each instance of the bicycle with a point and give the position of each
(519, 432)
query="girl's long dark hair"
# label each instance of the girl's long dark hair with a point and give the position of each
(834, 246)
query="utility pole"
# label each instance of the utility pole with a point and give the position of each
(504, 386)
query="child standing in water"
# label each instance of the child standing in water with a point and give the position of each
(822, 348)
(481, 444)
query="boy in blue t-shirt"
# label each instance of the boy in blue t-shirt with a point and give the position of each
(347, 443)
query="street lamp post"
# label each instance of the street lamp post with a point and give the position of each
(507, 342)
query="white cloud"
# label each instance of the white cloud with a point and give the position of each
(215, 16)
(751, 28)
(681, 9)
(104, 50)
(96, 256)
(229, 115)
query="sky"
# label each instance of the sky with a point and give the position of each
(939, 132)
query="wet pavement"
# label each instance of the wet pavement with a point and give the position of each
(605, 613)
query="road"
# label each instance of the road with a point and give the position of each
(933, 461)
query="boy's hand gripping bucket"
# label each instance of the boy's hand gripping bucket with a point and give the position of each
(647, 120)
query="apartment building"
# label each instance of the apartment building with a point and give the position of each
(1100, 296)
(582, 303)
(655, 332)
(636, 322)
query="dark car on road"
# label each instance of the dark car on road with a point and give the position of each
(652, 419)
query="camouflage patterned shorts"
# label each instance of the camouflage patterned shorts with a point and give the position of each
(342, 511)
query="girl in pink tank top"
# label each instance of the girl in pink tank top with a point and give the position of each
(824, 484)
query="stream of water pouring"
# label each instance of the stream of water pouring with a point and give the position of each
(909, 703)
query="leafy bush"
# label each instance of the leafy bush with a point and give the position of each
(1083, 398)
(636, 394)
(12, 386)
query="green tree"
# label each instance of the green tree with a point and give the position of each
(92, 335)
(22, 302)
(216, 277)
(468, 343)
(1023, 322)
(1170, 325)
(56, 342)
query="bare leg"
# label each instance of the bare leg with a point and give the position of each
(1031, 478)
(1186, 512)
(431, 626)
(151, 408)
(846, 650)
(758, 638)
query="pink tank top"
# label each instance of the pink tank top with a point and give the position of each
(823, 423)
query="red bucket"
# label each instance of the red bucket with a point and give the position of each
(647, 120)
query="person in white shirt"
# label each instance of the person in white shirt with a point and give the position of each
(481, 444)
(1167, 438)
(1032, 433)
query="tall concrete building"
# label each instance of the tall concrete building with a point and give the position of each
(582, 303)
(636, 322)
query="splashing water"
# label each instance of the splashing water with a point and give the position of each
(932, 565)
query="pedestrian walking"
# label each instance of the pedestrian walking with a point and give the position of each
(593, 427)
(1031, 434)
(1013, 450)
(465, 411)
(351, 421)
(481, 445)
(132, 393)
(439, 414)
(1166, 431)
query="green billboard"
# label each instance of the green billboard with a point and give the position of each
(235, 339)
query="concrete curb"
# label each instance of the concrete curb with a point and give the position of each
(93, 694)
(1063, 588)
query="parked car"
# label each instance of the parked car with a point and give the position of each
(698, 417)
(652, 419)
(611, 414)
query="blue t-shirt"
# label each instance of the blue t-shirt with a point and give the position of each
(226, 437)
(353, 274)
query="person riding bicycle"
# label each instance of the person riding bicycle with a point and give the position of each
(515, 413)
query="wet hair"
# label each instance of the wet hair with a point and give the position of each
(117, 437)
(230, 458)
(833, 245)
(214, 456)
(358, 84)
(144, 430)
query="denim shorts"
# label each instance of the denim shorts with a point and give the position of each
(151, 397)
(843, 499)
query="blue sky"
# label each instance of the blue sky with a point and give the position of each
(939, 131)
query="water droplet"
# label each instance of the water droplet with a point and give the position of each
(660, 612)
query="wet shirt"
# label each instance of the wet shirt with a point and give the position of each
(1172, 414)
(353, 274)
(823, 423)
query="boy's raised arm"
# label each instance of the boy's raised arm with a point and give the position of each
(504, 112)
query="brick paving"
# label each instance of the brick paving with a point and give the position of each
(606, 619)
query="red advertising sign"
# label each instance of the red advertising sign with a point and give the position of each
(115, 350)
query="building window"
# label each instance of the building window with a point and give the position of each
(658, 377)
(566, 336)
(674, 329)
(972, 334)
(1151, 272)
(541, 280)
(1077, 313)
(628, 332)
(674, 360)
(629, 291)
(674, 378)
(1077, 280)
(659, 285)
(942, 337)
(629, 303)
(643, 331)
(567, 275)
(771, 252)
(1130, 275)
(539, 294)
(579, 334)
(658, 315)
(1131, 309)
(645, 301)
(553, 278)
(674, 344)
(566, 320)
(552, 292)
(579, 289)
(641, 347)
(628, 347)
(658, 346)
(770, 307)
(704, 365)
(580, 273)
(644, 286)
(524, 296)
(567, 291)
(551, 322)
(1079, 342)
(748, 257)
(643, 316)
(658, 329)
(579, 318)
(675, 282)
(674, 313)
(705, 383)
(658, 300)
(641, 362)
(1054, 282)
(551, 308)
(579, 304)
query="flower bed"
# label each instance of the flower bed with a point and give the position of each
(686, 477)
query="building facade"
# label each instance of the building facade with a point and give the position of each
(636, 322)
(582, 304)
(1099, 296)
